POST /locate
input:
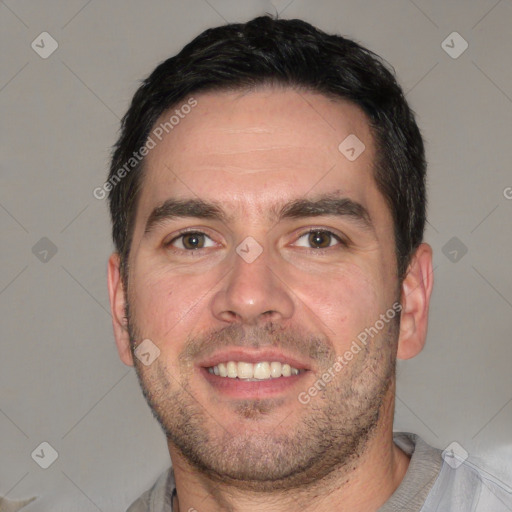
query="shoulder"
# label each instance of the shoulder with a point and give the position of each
(141, 504)
(449, 481)
(158, 498)
(467, 484)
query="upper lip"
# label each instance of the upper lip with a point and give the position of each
(253, 356)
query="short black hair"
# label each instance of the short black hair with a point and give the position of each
(290, 53)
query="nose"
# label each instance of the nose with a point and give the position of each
(253, 293)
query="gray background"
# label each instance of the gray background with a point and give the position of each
(61, 380)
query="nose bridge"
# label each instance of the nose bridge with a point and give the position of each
(253, 290)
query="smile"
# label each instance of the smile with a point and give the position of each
(263, 370)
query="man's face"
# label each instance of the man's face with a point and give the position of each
(255, 286)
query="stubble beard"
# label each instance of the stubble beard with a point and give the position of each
(331, 434)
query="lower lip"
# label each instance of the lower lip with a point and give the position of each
(237, 388)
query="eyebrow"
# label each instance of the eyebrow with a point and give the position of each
(325, 205)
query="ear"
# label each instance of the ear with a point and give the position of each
(415, 299)
(117, 296)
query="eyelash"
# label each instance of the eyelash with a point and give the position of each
(341, 242)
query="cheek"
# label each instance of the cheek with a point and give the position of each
(341, 303)
(167, 305)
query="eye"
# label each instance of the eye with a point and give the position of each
(190, 240)
(319, 239)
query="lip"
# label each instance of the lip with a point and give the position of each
(240, 389)
(251, 390)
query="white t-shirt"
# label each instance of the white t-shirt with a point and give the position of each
(430, 484)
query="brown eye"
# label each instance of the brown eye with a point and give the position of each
(193, 241)
(190, 241)
(320, 239)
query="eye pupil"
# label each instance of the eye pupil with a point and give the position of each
(319, 239)
(193, 241)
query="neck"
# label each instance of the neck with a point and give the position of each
(362, 485)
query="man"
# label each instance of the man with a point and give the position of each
(268, 201)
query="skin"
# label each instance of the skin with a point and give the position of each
(251, 151)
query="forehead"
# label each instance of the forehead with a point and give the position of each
(246, 149)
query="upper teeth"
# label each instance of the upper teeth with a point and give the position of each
(258, 371)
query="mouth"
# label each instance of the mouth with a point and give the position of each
(244, 374)
(253, 372)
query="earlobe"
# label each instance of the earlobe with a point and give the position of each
(118, 307)
(415, 299)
